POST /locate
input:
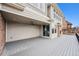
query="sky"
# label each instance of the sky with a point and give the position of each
(71, 12)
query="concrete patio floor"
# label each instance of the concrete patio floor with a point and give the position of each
(66, 45)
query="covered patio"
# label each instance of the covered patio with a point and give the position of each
(66, 45)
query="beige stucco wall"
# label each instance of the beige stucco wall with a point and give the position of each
(27, 12)
(17, 31)
(55, 18)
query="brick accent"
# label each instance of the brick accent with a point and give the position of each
(67, 27)
(2, 33)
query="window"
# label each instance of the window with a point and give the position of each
(42, 7)
(56, 17)
(55, 30)
(52, 30)
(60, 32)
(64, 30)
(54, 10)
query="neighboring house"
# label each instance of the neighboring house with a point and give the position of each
(73, 30)
(56, 17)
(67, 27)
(77, 29)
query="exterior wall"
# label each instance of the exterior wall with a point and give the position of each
(67, 27)
(2, 33)
(40, 6)
(28, 11)
(16, 31)
(64, 24)
(52, 25)
(64, 28)
(56, 17)
(35, 12)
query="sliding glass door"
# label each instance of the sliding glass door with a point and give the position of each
(46, 30)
